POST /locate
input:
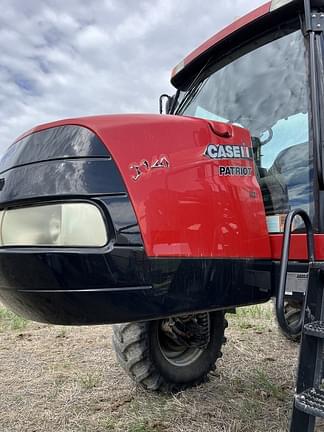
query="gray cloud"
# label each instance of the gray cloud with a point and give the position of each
(69, 58)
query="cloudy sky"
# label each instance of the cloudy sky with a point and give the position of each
(69, 58)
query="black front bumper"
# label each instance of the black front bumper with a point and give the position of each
(116, 283)
(124, 285)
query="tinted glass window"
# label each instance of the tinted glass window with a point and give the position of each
(266, 91)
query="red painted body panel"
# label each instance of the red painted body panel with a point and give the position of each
(184, 207)
(298, 246)
(236, 25)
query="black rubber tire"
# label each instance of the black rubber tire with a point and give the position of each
(138, 351)
(292, 313)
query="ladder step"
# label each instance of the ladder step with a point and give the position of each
(315, 328)
(311, 402)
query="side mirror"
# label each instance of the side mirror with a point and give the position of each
(169, 101)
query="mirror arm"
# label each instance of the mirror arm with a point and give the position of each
(163, 96)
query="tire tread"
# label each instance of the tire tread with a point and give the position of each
(131, 344)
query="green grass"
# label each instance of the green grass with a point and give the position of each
(250, 408)
(89, 381)
(149, 416)
(260, 311)
(267, 387)
(11, 321)
(109, 424)
(256, 317)
(260, 386)
(139, 426)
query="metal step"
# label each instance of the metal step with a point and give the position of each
(315, 328)
(311, 402)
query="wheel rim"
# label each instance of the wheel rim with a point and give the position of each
(177, 355)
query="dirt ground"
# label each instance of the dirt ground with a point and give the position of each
(67, 379)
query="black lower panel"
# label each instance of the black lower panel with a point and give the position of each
(124, 285)
(70, 177)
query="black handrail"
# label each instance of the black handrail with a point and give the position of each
(280, 308)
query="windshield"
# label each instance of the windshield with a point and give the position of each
(257, 89)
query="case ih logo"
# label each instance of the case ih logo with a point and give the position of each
(219, 151)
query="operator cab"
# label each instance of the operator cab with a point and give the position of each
(264, 88)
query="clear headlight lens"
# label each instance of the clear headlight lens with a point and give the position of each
(66, 224)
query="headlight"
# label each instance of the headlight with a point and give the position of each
(68, 224)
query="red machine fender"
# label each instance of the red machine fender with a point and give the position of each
(192, 185)
(191, 182)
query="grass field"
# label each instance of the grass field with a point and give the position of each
(67, 379)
